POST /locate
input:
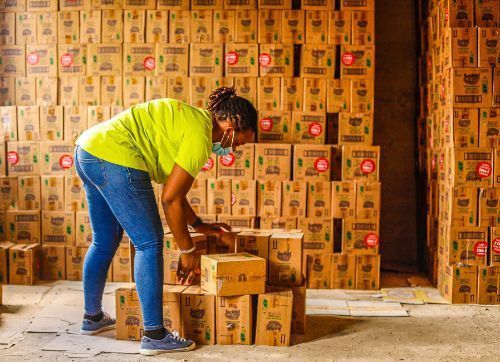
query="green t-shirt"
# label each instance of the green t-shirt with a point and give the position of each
(152, 136)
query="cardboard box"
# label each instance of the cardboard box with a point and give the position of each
(467, 245)
(228, 275)
(460, 284)
(269, 26)
(487, 14)
(357, 5)
(246, 26)
(97, 114)
(216, 245)
(209, 170)
(90, 91)
(75, 257)
(496, 87)
(319, 199)
(357, 61)
(494, 246)
(361, 236)
(318, 238)
(489, 127)
(8, 123)
(368, 199)
(35, 5)
(134, 26)
(58, 158)
(4, 261)
(179, 26)
(355, 128)
(269, 198)
(28, 192)
(156, 26)
(141, 4)
(74, 197)
(198, 315)
(111, 90)
(487, 287)
(272, 161)
(360, 163)
(23, 158)
(367, 272)
(276, 60)
(112, 26)
(201, 24)
(178, 88)
(343, 271)
(285, 259)
(471, 167)
(104, 59)
(8, 193)
(52, 193)
(121, 264)
(25, 91)
(240, 4)
(24, 264)
(238, 165)
(362, 95)
(339, 28)
(234, 320)
(173, 4)
(311, 161)
(206, 60)
(3, 225)
(171, 254)
(74, 5)
(238, 223)
(247, 88)
(69, 91)
(294, 199)
(292, 26)
(317, 61)
(58, 228)
(255, 242)
(244, 197)
(197, 196)
(28, 123)
(46, 91)
(47, 27)
(343, 199)
(268, 94)
(15, 5)
(292, 94)
(219, 196)
(274, 319)
(309, 127)
(83, 234)
(469, 88)
(206, 4)
(274, 127)
(75, 121)
(51, 123)
(139, 59)
(12, 60)
(68, 27)
(316, 25)
(319, 270)
(278, 223)
(299, 310)
(133, 91)
(172, 59)
(363, 28)
(25, 25)
(460, 48)
(90, 26)
(274, 4)
(315, 93)
(489, 208)
(464, 203)
(53, 263)
(224, 25)
(461, 128)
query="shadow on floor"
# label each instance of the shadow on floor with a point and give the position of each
(320, 327)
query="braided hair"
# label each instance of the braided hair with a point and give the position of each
(224, 103)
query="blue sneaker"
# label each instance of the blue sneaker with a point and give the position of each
(171, 343)
(90, 327)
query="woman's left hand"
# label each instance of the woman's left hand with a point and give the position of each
(213, 228)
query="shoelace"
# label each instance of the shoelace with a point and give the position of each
(106, 316)
(175, 335)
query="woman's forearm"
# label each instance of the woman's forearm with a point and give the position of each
(175, 213)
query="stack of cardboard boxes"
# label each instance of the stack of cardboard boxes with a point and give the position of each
(459, 144)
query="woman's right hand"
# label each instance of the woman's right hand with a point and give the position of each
(188, 269)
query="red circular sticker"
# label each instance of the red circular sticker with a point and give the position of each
(12, 157)
(266, 124)
(233, 199)
(348, 59)
(66, 161)
(232, 58)
(208, 165)
(149, 63)
(321, 164)
(228, 160)
(481, 248)
(495, 245)
(371, 240)
(315, 129)
(367, 166)
(67, 60)
(264, 59)
(483, 169)
(33, 58)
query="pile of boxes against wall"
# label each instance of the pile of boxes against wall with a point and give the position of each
(459, 146)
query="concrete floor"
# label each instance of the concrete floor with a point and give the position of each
(432, 332)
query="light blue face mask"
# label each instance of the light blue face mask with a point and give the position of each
(219, 150)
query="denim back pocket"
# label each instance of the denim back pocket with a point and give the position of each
(139, 180)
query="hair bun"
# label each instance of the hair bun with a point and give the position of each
(220, 95)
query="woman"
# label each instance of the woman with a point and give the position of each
(166, 141)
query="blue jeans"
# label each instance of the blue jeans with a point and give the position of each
(122, 198)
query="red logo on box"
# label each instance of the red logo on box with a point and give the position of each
(495, 245)
(483, 169)
(315, 129)
(208, 165)
(233, 199)
(348, 59)
(232, 58)
(481, 248)
(67, 60)
(266, 124)
(367, 166)
(228, 160)
(12, 157)
(264, 59)
(371, 240)
(66, 161)
(321, 164)
(33, 58)
(149, 63)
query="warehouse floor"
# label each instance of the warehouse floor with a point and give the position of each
(431, 332)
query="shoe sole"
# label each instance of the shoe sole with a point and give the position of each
(154, 352)
(100, 330)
